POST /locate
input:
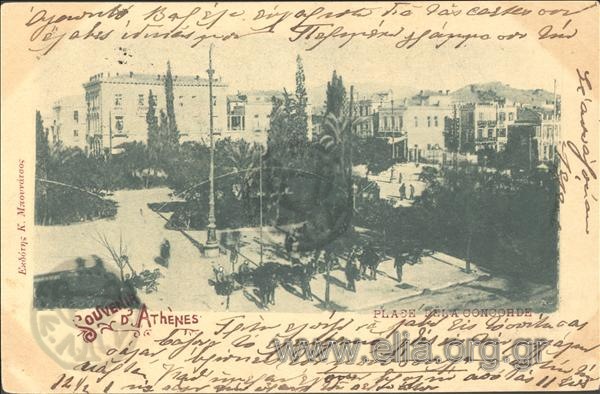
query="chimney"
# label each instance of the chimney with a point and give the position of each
(447, 92)
(130, 74)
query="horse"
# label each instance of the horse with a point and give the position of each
(369, 259)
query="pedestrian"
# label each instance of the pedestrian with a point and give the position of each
(272, 283)
(331, 260)
(165, 250)
(305, 283)
(289, 243)
(402, 191)
(399, 262)
(244, 272)
(350, 272)
(399, 177)
(219, 273)
(412, 192)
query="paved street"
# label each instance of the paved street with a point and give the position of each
(185, 282)
(389, 182)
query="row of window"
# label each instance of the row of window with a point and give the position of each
(141, 101)
(490, 133)
(501, 116)
(429, 118)
(431, 121)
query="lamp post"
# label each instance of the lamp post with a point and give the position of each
(260, 198)
(393, 136)
(211, 249)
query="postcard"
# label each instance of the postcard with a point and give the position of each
(300, 197)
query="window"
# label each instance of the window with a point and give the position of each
(140, 100)
(511, 116)
(181, 101)
(256, 116)
(76, 116)
(119, 124)
(385, 122)
(502, 116)
(490, 133)
(479, 133)
(75, 132)
(214, 101)
(118, 100)
(481, 116)
(429, 121)
(416, 121)
(435, 121)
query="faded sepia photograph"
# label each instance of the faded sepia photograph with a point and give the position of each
(330, 193)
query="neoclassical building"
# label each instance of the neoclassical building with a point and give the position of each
(116, 107)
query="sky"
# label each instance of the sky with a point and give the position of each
(268, 62)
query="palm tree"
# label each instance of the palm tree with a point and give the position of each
(241, 158)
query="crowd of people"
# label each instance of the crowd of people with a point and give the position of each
(361, 263)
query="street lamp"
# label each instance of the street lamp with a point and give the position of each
(260, 199)
(211, 249)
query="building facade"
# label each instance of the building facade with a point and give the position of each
(116, 107)
(534, 136)
(484, 126)
(364, 109)
(424, 128)
(249, 115)
(67, 124)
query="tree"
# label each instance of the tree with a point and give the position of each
(301, 102)
(172, 136)
(42, 157)
(163, 135)
(368, 151)
(241, 157)
(336, 96)
(154, 142)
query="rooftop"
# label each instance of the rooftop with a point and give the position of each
(151, 79)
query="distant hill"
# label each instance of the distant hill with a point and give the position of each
(469, 93)
(317, 94)
(490, 90)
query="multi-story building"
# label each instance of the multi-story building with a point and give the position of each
(67, 123)
(534, 136)
(484, 125)
(249, 115)
(388, 121)
(424, 127)
(117, 105)
(364, 109)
